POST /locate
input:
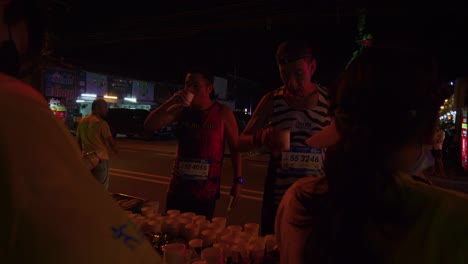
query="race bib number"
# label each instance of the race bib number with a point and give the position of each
(302, 158)
(197, 169)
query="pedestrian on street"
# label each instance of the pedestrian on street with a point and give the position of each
(203, 128)
(438, 141)
(53, 211)
(300, 107)
(370, 208)
(94, 135)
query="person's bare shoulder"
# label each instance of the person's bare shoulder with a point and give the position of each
(305, 199)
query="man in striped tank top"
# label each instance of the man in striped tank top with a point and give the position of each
(300, 107)
(204, 126)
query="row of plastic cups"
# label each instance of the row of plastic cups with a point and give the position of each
(150, 208)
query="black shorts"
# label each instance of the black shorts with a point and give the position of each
(437, 153)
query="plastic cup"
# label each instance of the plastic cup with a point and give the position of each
(221, 221)
(235, 229)
(154, 205)
(188, 215)
(188, 98)
(155, 226)
(209, 237)
(283, 138)
(214, 226)
(174, 253)
(198, 218)
(222, 232)
(173, 212)
(212, 255)
(171, 226)
(203, 224)
(191, 231)
(252, 228)
(196, 245)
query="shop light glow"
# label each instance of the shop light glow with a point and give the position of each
(110, 97)
(133, 100)
(80, 101)
(88, 95)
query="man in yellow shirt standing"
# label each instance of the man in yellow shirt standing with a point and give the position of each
(94, 136)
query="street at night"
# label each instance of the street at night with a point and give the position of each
(348, 128)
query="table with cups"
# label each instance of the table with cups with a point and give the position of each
(189, 238)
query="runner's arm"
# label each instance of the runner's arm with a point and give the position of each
(259, 119)
(107, 135)
(231, 135)
(164, 115)
(78, 138)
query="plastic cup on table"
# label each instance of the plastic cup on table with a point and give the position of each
(224, 250)
(197, 218)
(214, 226)
(270, 243)
(203, 224)
(252, 228)
(188, 215)
(242, 239)
(155, 226)
(171, 226)
(209, 237)
(235, 229)
(221, 221)
(236, 253)
(154, 205)
(227, 239)
(196, 245)
(183, 222)
(191, 231)
(174, 253)
(256, 252)
(173, 212)
(212, 255)
(222, 232)
(146, 211)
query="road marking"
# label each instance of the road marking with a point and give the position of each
(138, 178)
(167, 183)
(167, 178)
(142, 174)
(243, 190)
(128, 150)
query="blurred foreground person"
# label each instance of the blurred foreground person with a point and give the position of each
(370, 208)
(54, 211)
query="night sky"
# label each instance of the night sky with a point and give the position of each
(239, 37)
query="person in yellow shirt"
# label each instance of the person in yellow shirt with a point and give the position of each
(94, 135)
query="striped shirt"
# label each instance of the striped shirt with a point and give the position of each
(302, 124)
